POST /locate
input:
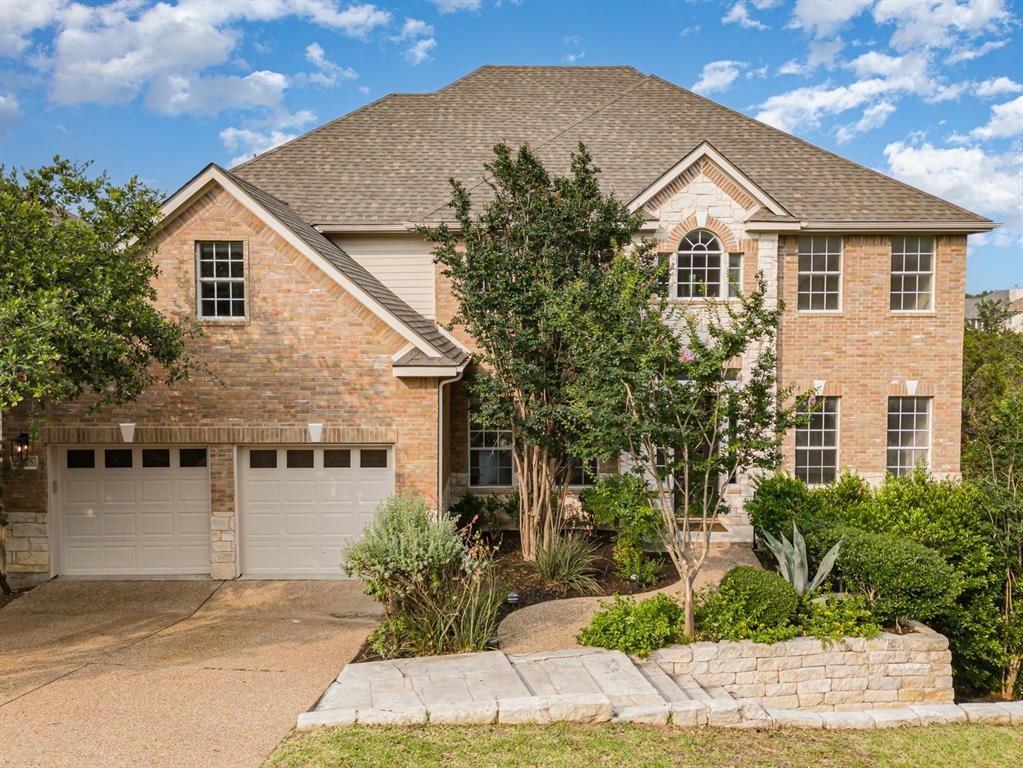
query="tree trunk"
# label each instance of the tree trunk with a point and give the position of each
(689, 605)
(535, 483)
(1011, 676)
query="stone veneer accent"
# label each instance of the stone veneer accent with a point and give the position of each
(885, 672)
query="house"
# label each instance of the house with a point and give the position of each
(331, 380)
(1011, 300)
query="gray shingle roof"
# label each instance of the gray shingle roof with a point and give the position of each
(389, 162)
(421, 326)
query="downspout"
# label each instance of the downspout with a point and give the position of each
(440, 435)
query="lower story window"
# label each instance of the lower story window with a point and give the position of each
(817, 442)
(909, 433)
(582, 472)
(490, 455)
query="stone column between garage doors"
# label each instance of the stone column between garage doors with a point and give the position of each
(223, 514)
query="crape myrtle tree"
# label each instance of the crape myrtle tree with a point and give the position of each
(525, 249)
(663, 380)
(76, 293)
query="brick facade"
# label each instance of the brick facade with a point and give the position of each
(306, 352)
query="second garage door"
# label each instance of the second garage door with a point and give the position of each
(300, 505)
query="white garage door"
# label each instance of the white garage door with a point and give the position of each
(301, 505)
(134, 511)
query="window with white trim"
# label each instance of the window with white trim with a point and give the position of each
(817, 442)
(704, 270)
(220, 277)
(582, 473)
(820, 273)
(490, 455)
(909, 433)
(912, 273)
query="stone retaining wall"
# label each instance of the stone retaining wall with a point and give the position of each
(885, 672)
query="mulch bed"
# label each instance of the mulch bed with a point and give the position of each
(515, 574)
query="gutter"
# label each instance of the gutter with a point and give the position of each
(440, 434)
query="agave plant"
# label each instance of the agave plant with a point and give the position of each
(793, 564)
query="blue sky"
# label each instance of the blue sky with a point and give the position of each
(930, 91)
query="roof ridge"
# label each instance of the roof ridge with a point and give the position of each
(811, 145)
(562, 132)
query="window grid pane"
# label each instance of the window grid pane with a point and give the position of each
(909, 433)
(817, 443)
(698, 266)
(734, 274)
(912, 279)
(820, 273)
(221, 268)
(490, 455)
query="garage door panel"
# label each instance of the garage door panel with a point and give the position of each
(299, 528)
(133, 520)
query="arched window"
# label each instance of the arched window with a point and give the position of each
(703, 269)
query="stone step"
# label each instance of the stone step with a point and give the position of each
(663, 683)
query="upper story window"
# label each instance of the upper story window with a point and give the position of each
(704, 270)
(490, 455)
(220, 274)
(912, 273)
(909, 433)
(820, 273)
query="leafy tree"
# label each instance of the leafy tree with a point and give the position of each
(993, 456)
(515, 267)
(76, 293)
(660, 381)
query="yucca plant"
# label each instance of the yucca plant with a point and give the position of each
(793, 564)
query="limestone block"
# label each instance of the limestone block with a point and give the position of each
(843, 697)
(579, 708)
(849, 684)
(801, 675)
(410, 715)
(765, 676)
(825, 659)
(813, 686)
(835, 721)
(809, 700)
(794, 718)
(704, 651)
(522, 710)
(318, 717)
(753, 715)
(909, 669)
(990, 714)
(746, 678)
(748, 691)
(887, 657)
(802, 646)
(716, 680)
(722, 713)
(733, 665)
(909, 694)
(939, 713)
(835, 671)
(884, 683)
(470, 712)
(1015, 709)
(781, 702)
(780, 689)
(648, 714)
(776, 663)
(894, 718)
(688, 714)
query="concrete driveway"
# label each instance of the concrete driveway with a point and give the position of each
(169, 673)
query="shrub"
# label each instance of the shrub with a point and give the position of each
(901, 579)
(635, 627)
(622, 503)
(402, 549)
(634, 564)
(794, 564)
(483, 514)
(749, 604)
(567, 562)
(779, 501)
(834, 617)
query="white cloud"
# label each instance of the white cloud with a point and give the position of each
(718, 75)
(739, 14)
(112, 53)
(412, 29)
(873, 117)
(262, 135)
(763, 5)
(328, 73)
(822, 54)
(10, 113)
(988, 183)
(804, 107)
(572, 58)
(823, 18)
(686, 31)
(454, 6)
(969, 54)
(1006, 120)
(997, 86)
(176, 95)
(420, 50)
(21, 19)
(939, 23)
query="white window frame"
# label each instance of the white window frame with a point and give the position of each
(926, 449)
(825, 273)
(836, 447)
(588, 481)
(932, 273)
(479, 449)
(200, 281)
(724, 282)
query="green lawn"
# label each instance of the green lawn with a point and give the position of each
(604, 746)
